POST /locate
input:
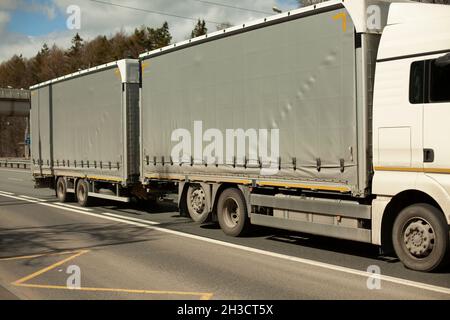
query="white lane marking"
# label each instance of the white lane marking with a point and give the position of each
(130, 218)
(365, 274)
(73, 207)
(32, 198)
(4, 192)
(15, 179)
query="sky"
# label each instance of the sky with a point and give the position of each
(25, 25)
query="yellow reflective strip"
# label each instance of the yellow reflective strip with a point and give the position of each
(417, 170)
(105, 178)
(302, 186)
(398, 169)
(168, 177)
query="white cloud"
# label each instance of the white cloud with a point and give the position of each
(8, 4)
(4, 19)
(101, 19)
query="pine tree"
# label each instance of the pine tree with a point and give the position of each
(199, 29)
(77, 45)
(159, 37)
(75, 53)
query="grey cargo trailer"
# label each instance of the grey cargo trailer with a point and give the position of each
(306, 73)
(84, 127)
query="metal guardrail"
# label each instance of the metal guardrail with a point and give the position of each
(14, 94)
(15, 163)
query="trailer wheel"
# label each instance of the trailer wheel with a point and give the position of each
(421, 237)
(196, 203)
(83, 193)
(232, 213)
(61, 190)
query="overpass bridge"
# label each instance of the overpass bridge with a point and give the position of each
(17, 103)
(14, 103)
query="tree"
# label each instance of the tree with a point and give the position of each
(223, 25)
(50, 63)
(159, 37)
(77, 45)
(45, 50)
(75, 53)
(305, 3)
(199, 29)
(97, 52)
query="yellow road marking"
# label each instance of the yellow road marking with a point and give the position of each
(342, 16)
(21, 282)
(202, 295)
(37, 255)
(53, 266)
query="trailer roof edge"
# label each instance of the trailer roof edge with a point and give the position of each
(81, 72)
(356, 9)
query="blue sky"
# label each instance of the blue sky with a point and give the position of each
(35, 23)
(25, 25)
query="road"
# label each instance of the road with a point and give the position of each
(125, 252)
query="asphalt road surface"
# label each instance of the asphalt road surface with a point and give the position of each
(118, 251)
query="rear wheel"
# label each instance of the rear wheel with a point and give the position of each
(197, 204)
(232, 213)
(421, 237)
(83, 193)
(61, 190)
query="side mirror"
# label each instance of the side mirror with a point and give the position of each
(443, 61)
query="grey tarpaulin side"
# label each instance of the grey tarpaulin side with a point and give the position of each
(78, 125)
(298, 76)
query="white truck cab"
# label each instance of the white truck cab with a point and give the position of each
(411, 134)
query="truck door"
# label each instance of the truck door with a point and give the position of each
(398, 119)
(437, 118)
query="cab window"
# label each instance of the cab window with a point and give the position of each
(439, 80)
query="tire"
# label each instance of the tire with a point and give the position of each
(61, 190)
(197, 204)
(421, 238)
(232, 213)
(82, 193)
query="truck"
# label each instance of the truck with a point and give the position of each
(85, 141)
(328, 120)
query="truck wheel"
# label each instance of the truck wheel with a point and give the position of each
(421, 237)
(232, 213)
(61, 190)
(197, 204)
(83, 193)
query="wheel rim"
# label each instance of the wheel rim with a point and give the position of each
(418, 237)
(198, 200)
(231, 213)
(81, 192)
